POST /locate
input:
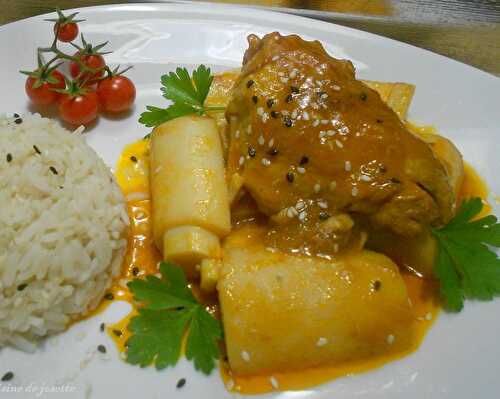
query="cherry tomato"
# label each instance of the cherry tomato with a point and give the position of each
(80, 109)
(44, 95)
(95, 61)
(66, 32)
(116, 93)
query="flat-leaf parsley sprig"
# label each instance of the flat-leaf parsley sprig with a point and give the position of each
(466, 265)
(187, 93)
(168, 311)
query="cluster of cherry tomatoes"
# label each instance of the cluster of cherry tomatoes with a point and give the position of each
(93, 86)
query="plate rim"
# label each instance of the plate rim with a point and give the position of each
(235, 9)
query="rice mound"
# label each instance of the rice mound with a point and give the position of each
(63, 227)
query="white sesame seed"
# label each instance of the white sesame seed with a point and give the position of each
(314, 105)
(260, 111)
(281, 73)
(302, 216)
(284, 80)
(265, 162)
(261, 140)
(290, 212)
(245, 356)
(322, 134)
(323, 204)
(249, 129)
(390, 339)
(230, 384)
(274, 383)
(237, 134)
(365, 178)
(271, 143)
(333, 185)
(322, 341)
(354, 191)
(276, 57)
(265, 117)
(336, 87)
(293, 74)
(324, 96)
(347, 166)
(319, 82)
(324, 122)
(317, 188)
(335, 247)
(242, 160)
(285, 112)
(339, 144)
(301, 170)
(305, 116)
(330, 133)
(294, 114)
(300, 205)
(428, 316)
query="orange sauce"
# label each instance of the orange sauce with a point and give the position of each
(142, 258)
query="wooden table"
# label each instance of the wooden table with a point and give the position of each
(466, 30)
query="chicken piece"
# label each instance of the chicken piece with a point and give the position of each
(303, 128)
(284, 312)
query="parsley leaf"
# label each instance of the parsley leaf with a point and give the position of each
(187, 93)
(466, 265)
(169, 310)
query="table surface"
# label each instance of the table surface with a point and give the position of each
(466, 30)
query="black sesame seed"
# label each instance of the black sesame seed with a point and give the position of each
(377, 284)
(36, 149)
(273, 152)
(382, 169)
(9, 157)
(289, 98)
(118, 333)
(270, 103)
(395, 180)
(135, 271)
(363, 96)
(287, 121)
(251, 151)
(290, 177)
(250, 83)
(133, 158)
(61, 187)
(324, 215)
(101, 348)
(304, 160)
(275, 114)
(380, 121)
(294, 89)
(53, 170)
(109, 296)
(101, 327)
(21, 287)
(18, 121)
(181, 383)
(16, 115)
(8, 376)
(255, 99)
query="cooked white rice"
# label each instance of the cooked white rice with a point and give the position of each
(63, 226)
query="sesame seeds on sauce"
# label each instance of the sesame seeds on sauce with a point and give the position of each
(322, 341)
(274, 382)
(390, 339)
(245, 356)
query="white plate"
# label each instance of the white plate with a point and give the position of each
(459, 356)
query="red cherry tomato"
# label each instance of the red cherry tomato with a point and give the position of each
(95, 61)
(116, 93)
(44, 95)
(79, 109)
(66, 32)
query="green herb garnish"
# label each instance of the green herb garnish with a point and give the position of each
(466, 266)
(188, 94)
(169, 310)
